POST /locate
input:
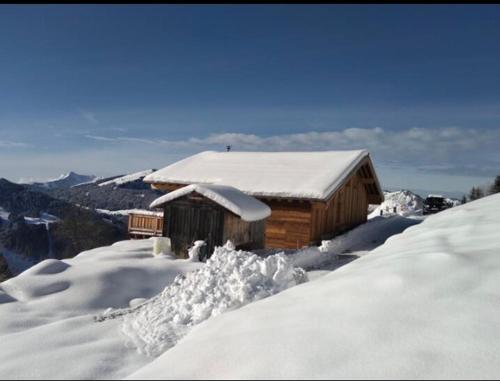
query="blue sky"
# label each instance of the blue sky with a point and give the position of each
(118, 88)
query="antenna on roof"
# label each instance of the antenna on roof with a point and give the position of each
(228, 148)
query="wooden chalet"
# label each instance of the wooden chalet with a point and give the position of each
(312, 195)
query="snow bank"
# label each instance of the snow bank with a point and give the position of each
(47, 312)
(405, 202)
(247, 207)
(358, 242)
(128, 178)
(280, 174)
(230, 280)
(423, 305)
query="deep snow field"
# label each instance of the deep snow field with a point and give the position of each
(423, 304)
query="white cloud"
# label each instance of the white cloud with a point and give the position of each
(9, 144)
(418, 146)
(424, 158)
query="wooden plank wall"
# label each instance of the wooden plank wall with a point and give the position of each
(244, 234)
(346, 209)
(167, 187)
(191, 218)
(289, 224)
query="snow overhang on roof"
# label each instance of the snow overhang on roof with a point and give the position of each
(304, 175)
(245, 206)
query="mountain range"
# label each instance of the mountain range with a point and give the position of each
(64, 181)
(62, 217)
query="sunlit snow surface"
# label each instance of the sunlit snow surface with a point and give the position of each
(424, 304)
(47, 327)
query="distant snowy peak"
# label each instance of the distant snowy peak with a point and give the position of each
(128, 178)
(67, 180)
(403, 202)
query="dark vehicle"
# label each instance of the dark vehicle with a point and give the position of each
(434, 204)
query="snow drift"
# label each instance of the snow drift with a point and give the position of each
(423, 305)
(47, 328)
(229, 280)
(404, 202)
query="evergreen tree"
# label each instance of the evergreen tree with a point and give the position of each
(495, 188)
(473, 194)
(476, 193)
(464, 199)
(480, 192)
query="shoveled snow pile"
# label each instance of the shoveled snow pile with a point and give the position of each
(229, 280)
(404, 203)
(127, 178)
(423, 305)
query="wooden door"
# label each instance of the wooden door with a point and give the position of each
(187, 222)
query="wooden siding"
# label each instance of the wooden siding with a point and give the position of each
(189, 219)
(145, 225)
(167, 187)
(289, 224)
(194, 217)
(345, 209)
(245, 235)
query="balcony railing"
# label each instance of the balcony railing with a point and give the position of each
(150, 224)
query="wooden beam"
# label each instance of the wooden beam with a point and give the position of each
(366, 180)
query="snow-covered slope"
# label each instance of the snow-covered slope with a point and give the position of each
(47, 327)
(405, 202)
(4, 215)
(423, 305)
(64, 181)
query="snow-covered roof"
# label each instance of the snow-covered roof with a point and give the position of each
(312, 175)
(247, 207)
(127, 178)
(126, 212)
